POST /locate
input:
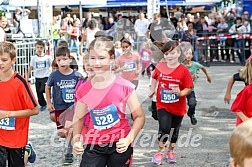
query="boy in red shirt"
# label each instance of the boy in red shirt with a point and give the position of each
(17, 104)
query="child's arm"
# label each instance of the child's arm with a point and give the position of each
(29, 73)
(50, 106)
(139, 119)
(227, 96)
(206, 73)
(153, 87)
(183, 92)
(78, 121)
(19, 113)
(242, 116)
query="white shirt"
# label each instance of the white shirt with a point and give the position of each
(41, 65)
(90, 35)
(141, 26)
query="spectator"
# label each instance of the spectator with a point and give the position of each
(111, 27)
(74, 40)
(174, 20)
(190, 36)
(55, 33)
(85, 23)
(63, 30)
(120, 27)
(238, 28)
(198, 26)
(3, 23)
(222, 28)
(141, 27)
(89, 34)
(156, 29)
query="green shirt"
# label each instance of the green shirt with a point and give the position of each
(194, 68)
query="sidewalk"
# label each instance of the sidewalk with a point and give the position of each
(203, 145)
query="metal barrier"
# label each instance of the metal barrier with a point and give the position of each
(25, 50)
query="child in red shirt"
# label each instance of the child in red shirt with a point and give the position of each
(174, 84)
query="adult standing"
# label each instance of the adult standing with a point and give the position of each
(89, 34)
(141, 27)
(190, 36)
(156, 29)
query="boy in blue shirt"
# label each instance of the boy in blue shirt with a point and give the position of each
(63, 81)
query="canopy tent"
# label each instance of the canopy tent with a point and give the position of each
(125, 3)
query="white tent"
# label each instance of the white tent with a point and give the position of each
(58, 2)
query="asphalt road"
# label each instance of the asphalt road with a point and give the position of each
(203, 145)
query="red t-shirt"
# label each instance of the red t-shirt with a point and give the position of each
(243, 103)
(167, 79)
(15, 95)
(108, 122)
(130, 72)
(75, 30)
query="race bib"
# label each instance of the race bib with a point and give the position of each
(168, 97)
(7, 123)
(68, 95)
(40, 64)
(105, 118)
(146, 56)
(131, 66)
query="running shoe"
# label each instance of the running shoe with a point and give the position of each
(31, 152)
(158, 157)
(193, 120)
(68, 159)
(170, 156)
(42, 108)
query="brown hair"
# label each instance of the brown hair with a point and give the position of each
(63, 43)
(40, 42)
(8, 47)
(62, 51)
(240, 143)
(170, 45)
(246, 72)
(127, 42)
(103, 43)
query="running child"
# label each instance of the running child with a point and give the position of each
(128, 64)
(174, 84)
(193, 67)
(17, 105)
(73, 64)
(109, 137)
(240, 145)
(40, 63)
(145, 55)
(63, 81)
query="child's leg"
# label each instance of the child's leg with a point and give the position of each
(52, 116)
(164, 120)
(192, 102)
(176, 123)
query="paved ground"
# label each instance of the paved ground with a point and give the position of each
(203, 145)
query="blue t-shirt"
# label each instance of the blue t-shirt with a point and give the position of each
(63, 88)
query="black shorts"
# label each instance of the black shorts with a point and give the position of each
(102, 156)
(14, 156)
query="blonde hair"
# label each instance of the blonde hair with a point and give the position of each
(246, 72)
(85, 60)
(8, 47)
(240, 143)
